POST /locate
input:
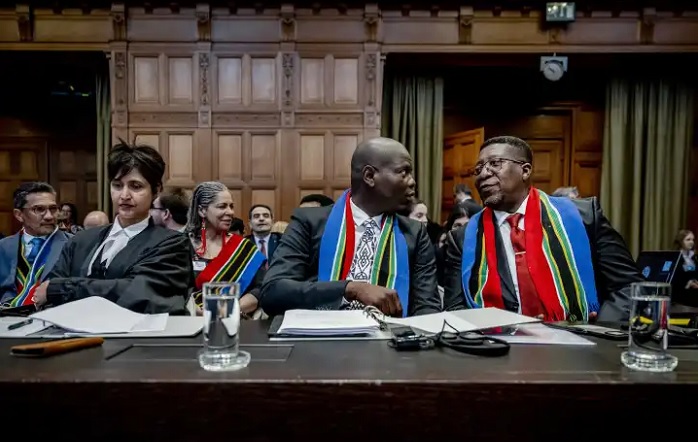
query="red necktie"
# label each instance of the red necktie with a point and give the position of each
(263, 249)
(530, 302)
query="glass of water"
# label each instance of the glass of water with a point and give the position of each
(221, 311)
(649, 329)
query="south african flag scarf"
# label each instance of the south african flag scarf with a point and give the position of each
(558, 257)
(29, 276)
(391, 267)
(238, 261)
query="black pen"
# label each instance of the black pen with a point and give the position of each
(20, 324)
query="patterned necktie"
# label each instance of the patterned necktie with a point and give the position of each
(364, 253)
(263, 251)
(36, 244)
(530, 302)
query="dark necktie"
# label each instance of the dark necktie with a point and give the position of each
(36, 244)
(530, 302)
(99, 268)
(263, 249)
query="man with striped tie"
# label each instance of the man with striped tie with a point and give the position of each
(27, 257)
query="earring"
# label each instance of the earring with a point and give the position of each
(202, 250)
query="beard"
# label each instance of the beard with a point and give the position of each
(493, 200)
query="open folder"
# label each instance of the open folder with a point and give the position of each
(369, 323)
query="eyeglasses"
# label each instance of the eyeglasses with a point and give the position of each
(157, 208)
(41, 210)
(494, 165)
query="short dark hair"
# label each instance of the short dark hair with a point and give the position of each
(521, 147)
(176, 201)
(254, 206)
(237, 225)
(73, 212)
(25, 189)
(462, 188)
(124, 157)
(319, 198)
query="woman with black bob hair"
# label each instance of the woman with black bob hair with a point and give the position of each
(132, 262)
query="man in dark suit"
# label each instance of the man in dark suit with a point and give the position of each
(359, 251)
(547, 257)
(27, 257)
(261, 220)
(132, 262)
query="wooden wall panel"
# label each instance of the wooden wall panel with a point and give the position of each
(272, 120)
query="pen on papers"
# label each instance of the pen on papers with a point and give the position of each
(20, 324)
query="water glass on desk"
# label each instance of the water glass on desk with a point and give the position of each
(649, 329)
(221, 312)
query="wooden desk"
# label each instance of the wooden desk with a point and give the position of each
(336, 389)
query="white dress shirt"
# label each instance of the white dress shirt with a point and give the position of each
(505, 231)
(115, 242)
(266, 243)
(359, 218)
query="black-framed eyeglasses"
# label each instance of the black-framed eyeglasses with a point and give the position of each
(494, 165)
(41, 210)
(158, 208)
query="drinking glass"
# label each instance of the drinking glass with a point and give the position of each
(221, 311)
(649, 329)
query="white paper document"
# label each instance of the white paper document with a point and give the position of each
(97, 315)
(327, 323)
(540, 334)
(9, 329)
(357, 322)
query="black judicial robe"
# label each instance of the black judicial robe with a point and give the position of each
(152, 274)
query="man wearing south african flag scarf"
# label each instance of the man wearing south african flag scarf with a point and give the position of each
(360, 251)
(553, 258)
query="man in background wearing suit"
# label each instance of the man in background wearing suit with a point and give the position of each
(261, 221)
(132, 262)
(548, 257)
(359, 251)
(27, 257)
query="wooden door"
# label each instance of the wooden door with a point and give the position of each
(73, 174)
(21, 160)
(461, 151)
(549, 134)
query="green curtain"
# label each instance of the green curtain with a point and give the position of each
(103, 141)
(413, 114)
(647, 142)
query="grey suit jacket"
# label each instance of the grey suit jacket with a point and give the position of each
(9, 248)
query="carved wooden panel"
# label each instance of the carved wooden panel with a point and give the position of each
(180, 159)
(146, 80)
(244, 81)
(181, 80)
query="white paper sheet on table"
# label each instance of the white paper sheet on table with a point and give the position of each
(357, 322)
(97, 315)
(34, 327)
(540, 334)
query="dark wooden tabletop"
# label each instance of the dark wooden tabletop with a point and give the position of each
(155, 390)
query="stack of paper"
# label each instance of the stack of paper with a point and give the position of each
(97, 315)
(327, 323)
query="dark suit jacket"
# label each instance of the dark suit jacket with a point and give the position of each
(614, 267)
(9, 250)
(152, 274)
(274, 239)
(291, 281)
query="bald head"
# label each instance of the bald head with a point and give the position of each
(375, 152)
(95, 219)
(381, 175)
